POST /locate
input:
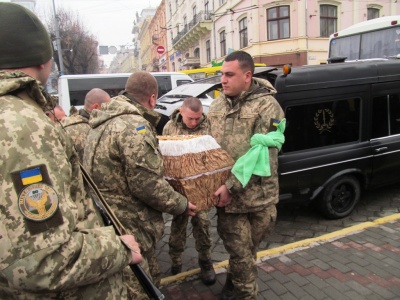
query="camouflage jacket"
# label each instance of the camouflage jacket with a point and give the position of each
(122, 155)
(233, 126)
(77, 126)
(51, 242)
(175, 126)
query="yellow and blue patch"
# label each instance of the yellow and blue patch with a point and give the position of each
(273, 124)
(31, 176)
(141, 129)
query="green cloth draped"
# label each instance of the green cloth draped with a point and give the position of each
(256, 160)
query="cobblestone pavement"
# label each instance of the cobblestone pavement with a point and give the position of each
(294, 223)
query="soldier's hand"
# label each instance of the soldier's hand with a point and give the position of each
(130, 242)
(223, 195)
(191, 209)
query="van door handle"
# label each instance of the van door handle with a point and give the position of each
(379, 150)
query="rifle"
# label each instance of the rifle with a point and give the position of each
(109, 218)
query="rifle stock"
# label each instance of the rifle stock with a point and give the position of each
(109, 218)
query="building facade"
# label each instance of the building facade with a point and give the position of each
(296, 32)
(158, 32)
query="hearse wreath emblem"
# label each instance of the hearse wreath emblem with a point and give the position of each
(324, 120)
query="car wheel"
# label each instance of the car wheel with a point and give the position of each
(340, 197)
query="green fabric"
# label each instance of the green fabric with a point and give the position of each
(256, 160)
(24, 41)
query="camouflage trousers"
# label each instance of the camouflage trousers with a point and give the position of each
(242, 234)
(201, 233)
(151, 267)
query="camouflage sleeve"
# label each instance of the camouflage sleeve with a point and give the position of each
(144, 172)
(233, 184)
(269, 111)
(167, 128)
(40, 245)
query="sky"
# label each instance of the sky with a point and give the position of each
(109, 21)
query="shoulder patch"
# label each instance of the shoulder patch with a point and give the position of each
(141, 129)
(31, 176)
(273, 124)
(38, 202)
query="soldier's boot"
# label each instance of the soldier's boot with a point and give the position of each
(227, 292)
(207, 272)
(176, 268)
(176, 264)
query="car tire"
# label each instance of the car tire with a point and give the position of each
(340, 197)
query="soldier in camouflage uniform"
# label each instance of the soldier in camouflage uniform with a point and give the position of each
(77, 125)
(122, 155)
(245, 215)
(52, 245)
(186, 120)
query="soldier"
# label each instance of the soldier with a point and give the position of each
(51, 241)
(186, 120)
(77, 125)
(121, 153)
(246, 212)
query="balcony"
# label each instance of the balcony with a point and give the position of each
(193, 31)
(191, 61)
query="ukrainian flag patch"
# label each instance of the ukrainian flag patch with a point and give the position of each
(275, 122)
(31, 176)
(141, 129)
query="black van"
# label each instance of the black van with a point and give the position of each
(342, 133)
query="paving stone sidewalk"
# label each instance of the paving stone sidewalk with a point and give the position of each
(358, 262)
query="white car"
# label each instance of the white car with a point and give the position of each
(174, 98)
(205, 89)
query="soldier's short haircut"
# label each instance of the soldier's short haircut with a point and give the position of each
(194, 104)
(141, 85)
(245, 60)
(95, 95)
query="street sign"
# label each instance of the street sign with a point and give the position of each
(160, 49)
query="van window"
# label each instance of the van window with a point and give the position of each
(314, 125)
(164, 85)
(79, 87)
(386, 116)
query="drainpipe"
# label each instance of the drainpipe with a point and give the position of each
(306, 1)
(214, 34)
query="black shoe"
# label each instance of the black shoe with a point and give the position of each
(207, 272)
(175, 269)
(227, 292)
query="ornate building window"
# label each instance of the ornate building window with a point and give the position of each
(373, 13)
(222, 42)
(328, 20)
(243, 33)
(208, 51)
(278, 23)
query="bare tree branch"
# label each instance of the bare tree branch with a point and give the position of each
(78, 46)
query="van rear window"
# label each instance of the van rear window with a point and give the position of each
(314, 125)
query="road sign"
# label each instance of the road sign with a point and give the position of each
(160, 49)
